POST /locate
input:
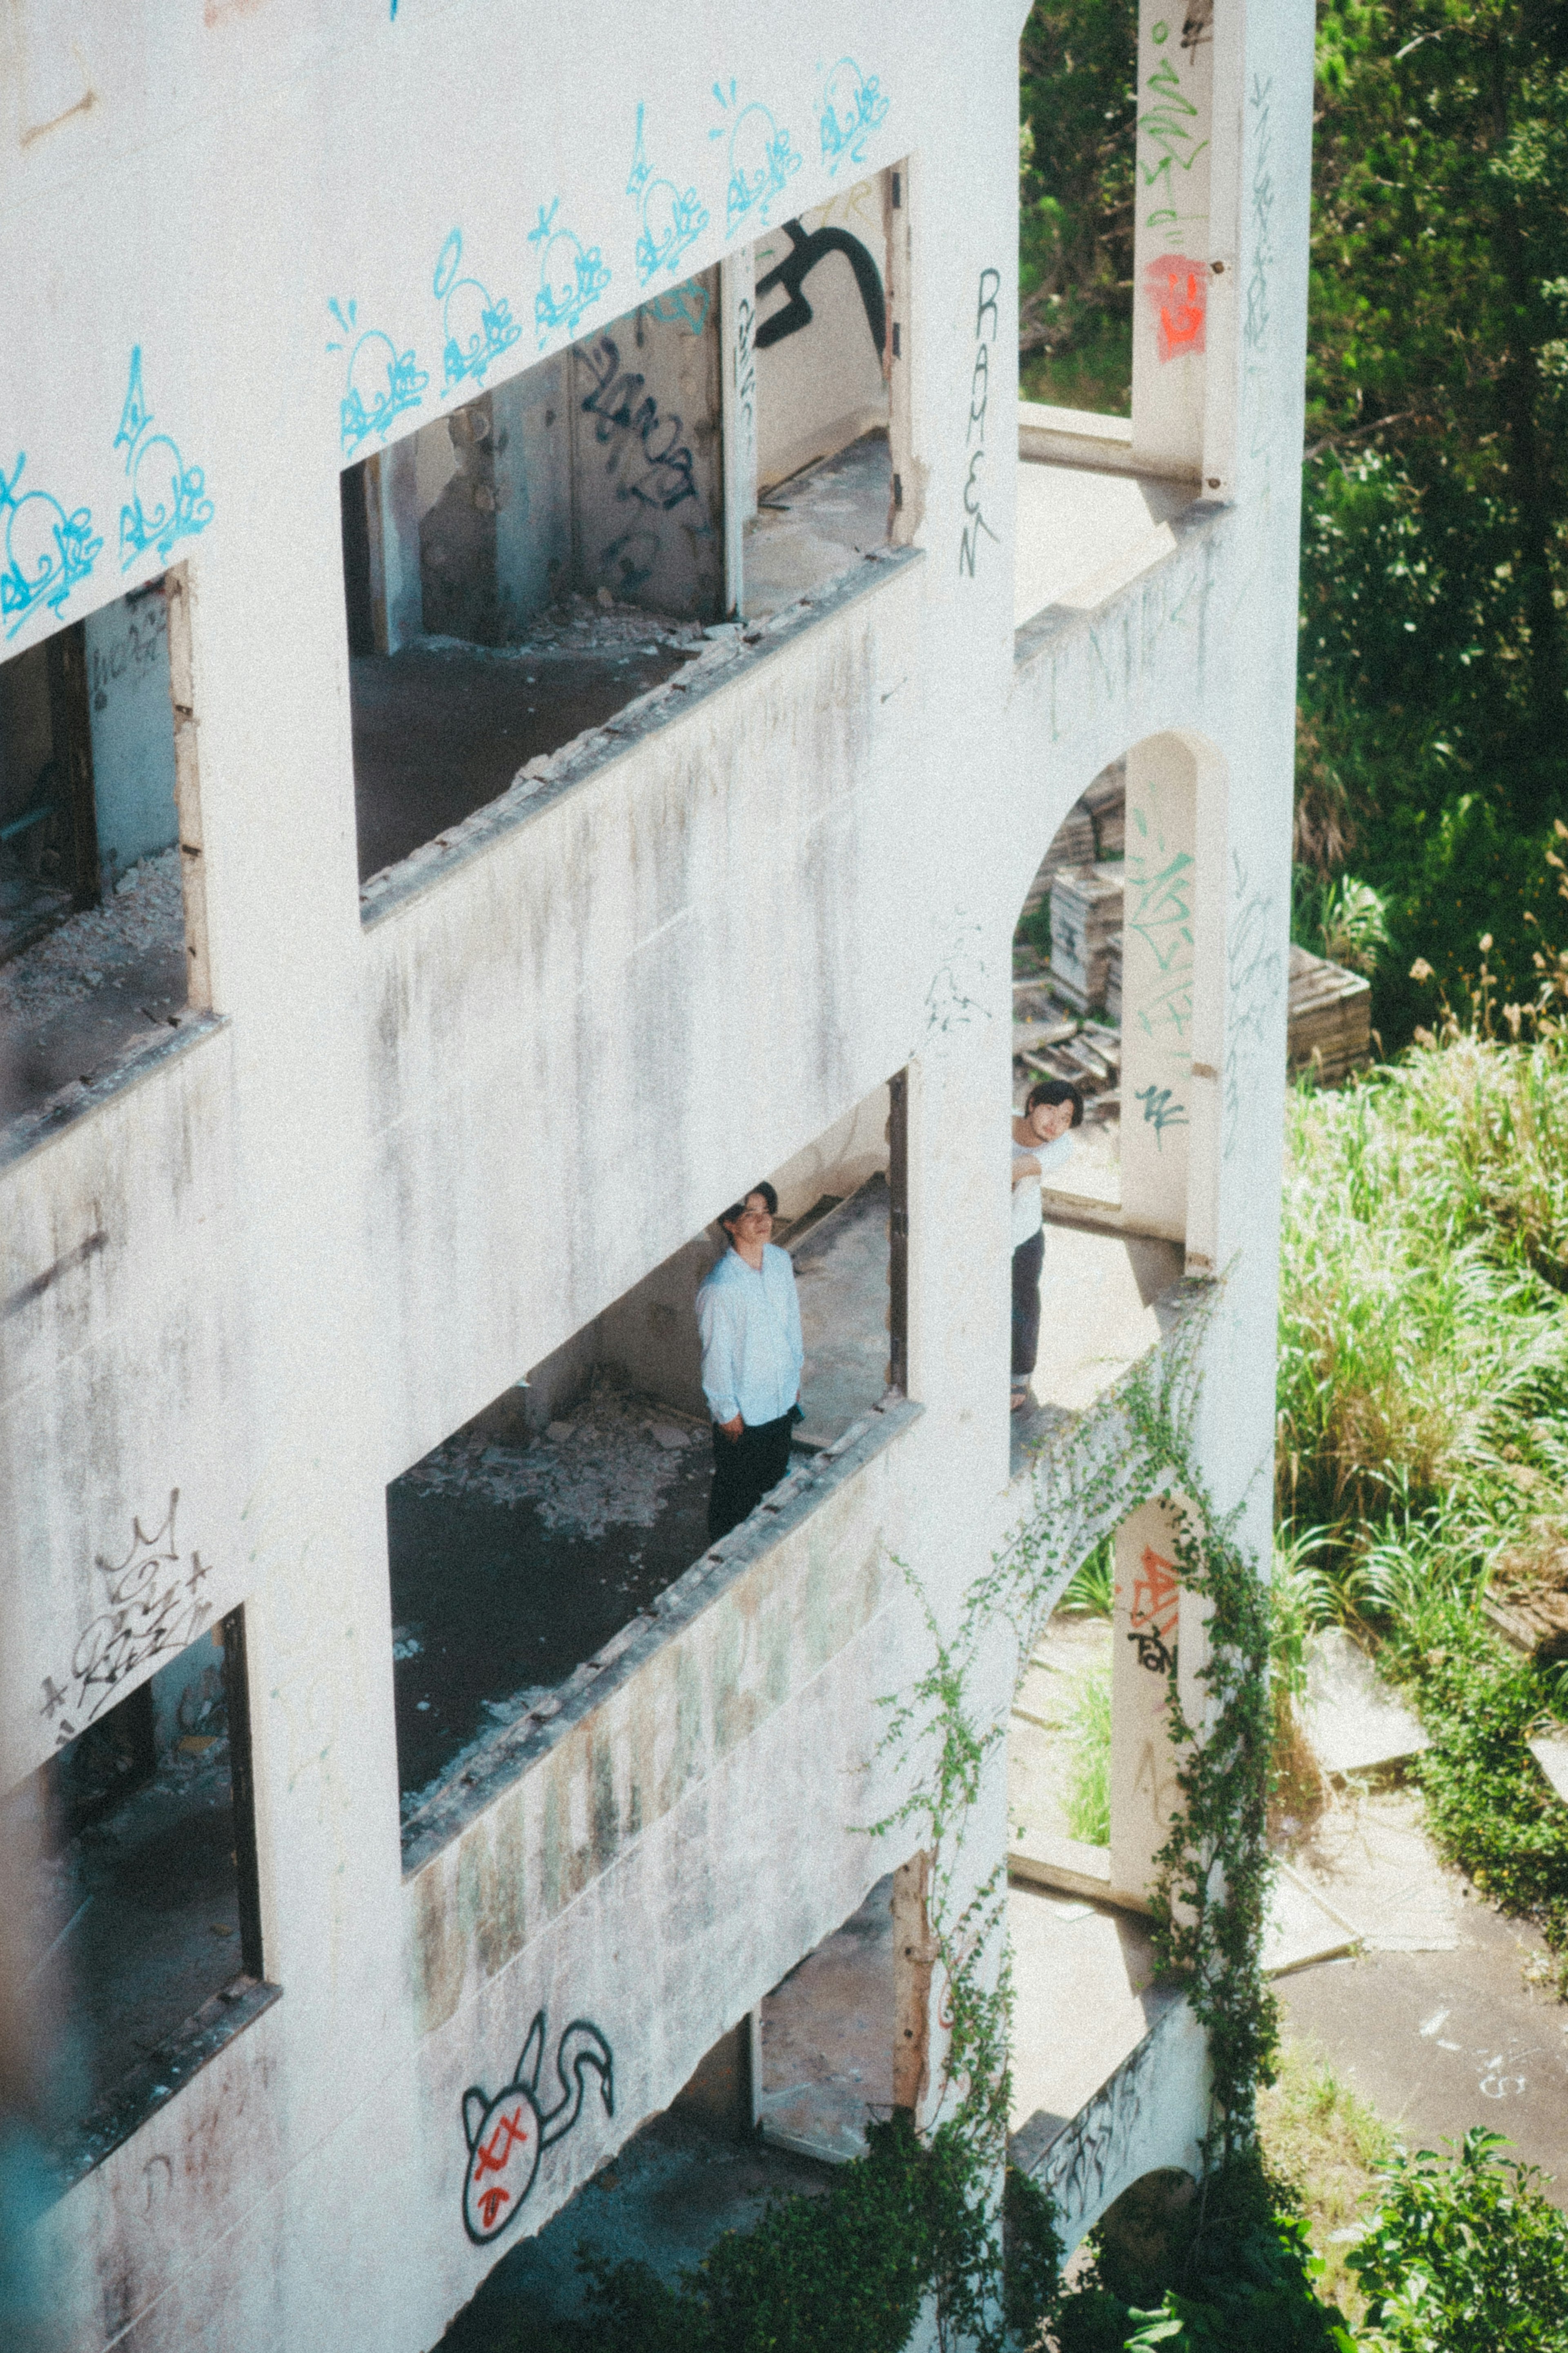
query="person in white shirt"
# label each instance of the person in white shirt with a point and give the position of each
(1041, 1141)
(749, 1318)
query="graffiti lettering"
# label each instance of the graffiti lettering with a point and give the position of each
(1155, 1607)
(670, 219)
(571, 275)
(1160, 1110)
(45, 551)
(1254, 979)
(474, 328)
(507, 2136)
(1167, 126)
(1197, 26)
(987, 322)
(1255, 327)
(762, 161)
(154, 1608)
(380, 383)
(167, 499)
(1176, 290)
(796, 267)
(853, 107)
(619, 414)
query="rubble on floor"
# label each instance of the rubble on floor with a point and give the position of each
(145, 911)
(607, 1464)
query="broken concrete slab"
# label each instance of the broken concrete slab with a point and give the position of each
(1353, 1723)
(1369, 1859)
(1300, 1927)
(1550, 1750)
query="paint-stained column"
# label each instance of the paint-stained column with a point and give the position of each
(738, 398)
(1146, 1628)
(1159, 907)
(1171, 234)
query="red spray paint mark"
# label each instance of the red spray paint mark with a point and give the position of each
(1177, 291)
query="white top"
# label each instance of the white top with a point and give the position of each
(1029, 1207)
(750, 1324)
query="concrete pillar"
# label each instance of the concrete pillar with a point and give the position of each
(738, 399)
(1171, 267)
(1147, 1625)
(1159, 920)
(393, 512)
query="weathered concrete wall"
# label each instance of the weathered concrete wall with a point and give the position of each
(821, 335)
(132, 724)
(419, 1154)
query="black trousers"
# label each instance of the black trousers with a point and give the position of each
(1027, 1260)
(744, 1468)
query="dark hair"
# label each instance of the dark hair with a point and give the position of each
(1055, 1090)
(737, 1209)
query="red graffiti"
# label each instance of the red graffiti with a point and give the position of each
(490, 2203)
(1156, 1594)
(493, 2160)
(1177, 291)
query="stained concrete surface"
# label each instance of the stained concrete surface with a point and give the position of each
(1073, 523)
(827, 2039)
(1105, 1299)
(817, 525)
(146, 1903)
(443, 726)
(669, 2195)
(77, 1000)
(841, 1277)
(1353, 1723)
(514, 1559)
(1083, 1998)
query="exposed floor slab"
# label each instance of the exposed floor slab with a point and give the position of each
(1106, 1300)
(1084, 1998)
(817, 525)
(1353, 1723)
(1073, 523)
(841, 1276)
(101, 982)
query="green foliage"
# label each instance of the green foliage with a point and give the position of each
(1237, 2279)
(1489, 1803)
(1088, 1805)
(1466, 2255)
(848, 2270)
(1077, 106)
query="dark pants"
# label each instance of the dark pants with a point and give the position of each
(744, 1468)
(1027, 1260)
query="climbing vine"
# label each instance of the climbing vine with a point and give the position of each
(1211, 1874)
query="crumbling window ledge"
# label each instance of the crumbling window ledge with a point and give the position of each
(141, 1058)
(156, 2079)
(734, 653)
(457, 1799)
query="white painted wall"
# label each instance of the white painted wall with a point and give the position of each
(290, 1257)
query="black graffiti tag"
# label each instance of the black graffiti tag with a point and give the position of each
(796, 267)
(622, 419)
(155, 1608)
(987, 321)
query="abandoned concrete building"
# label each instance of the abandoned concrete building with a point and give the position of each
(539, 658)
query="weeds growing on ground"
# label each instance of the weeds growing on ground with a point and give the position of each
(1316, 2133)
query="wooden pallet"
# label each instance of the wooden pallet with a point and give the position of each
(1330, 1019)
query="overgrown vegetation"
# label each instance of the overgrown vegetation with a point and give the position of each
(1465, 2255)
(1320, 2137)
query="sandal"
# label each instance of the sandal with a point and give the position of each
(1020, 1399)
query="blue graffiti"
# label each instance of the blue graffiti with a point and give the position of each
(474, 328)
(682, 306)
(380, 383)
(167, 499)
(47, 551)
(670, 221)
(762, 161)
(852, 108)
(571, 275)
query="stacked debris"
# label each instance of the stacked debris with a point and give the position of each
(1085, 918)
(1093, 830)
(1329, 1031)
(1053, 1040)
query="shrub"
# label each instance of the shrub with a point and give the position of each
(1466, 2255)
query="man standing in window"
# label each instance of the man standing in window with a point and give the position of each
(749, 1317)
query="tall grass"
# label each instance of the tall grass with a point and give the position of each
(1422, 1415)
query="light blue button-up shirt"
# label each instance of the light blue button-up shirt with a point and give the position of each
(752, 1350)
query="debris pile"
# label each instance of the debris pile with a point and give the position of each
(144, 911)
(608, 1465)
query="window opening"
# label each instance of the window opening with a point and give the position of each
(822, 346)
(93, 957)
(524, 570)
(154, 1908)
(542, 1532)
(1102, 1270)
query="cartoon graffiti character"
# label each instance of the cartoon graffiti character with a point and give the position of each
(762, 161)
(45, 551)
(167, 499)
(571, 275)
(507, 2136)
(670, 220)
(852, 107)
(380, 382)
(474, 328)
(1176, 290)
